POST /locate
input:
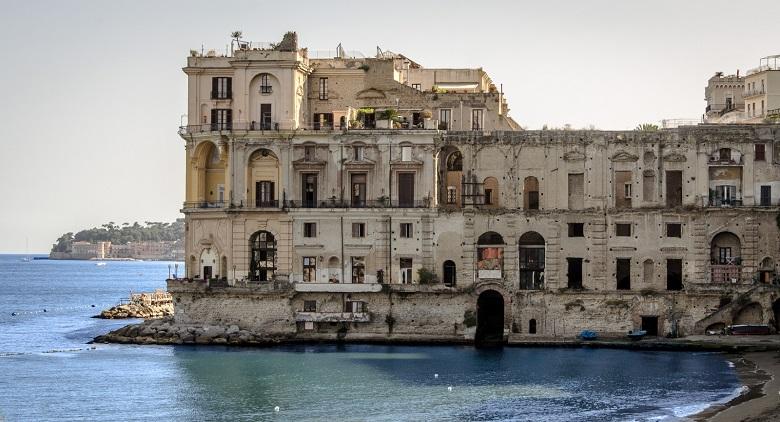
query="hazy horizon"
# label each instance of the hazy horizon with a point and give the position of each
(95, 92)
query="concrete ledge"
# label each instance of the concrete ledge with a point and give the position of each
(338, 287)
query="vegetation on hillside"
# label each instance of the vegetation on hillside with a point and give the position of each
(110, 232)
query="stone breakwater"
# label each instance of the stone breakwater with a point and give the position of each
(164, 331)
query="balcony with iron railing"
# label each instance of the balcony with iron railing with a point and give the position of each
(340, 203)
(726, 271)
(753, 92)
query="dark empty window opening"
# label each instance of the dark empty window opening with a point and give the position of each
(574, 273)
(309, 306)
(674, 188)
(623, 274)
(623, 229)
(576, 230)
(532, 326)
(309, 229)
(674, 274)
(673, 230)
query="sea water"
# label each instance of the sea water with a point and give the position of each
(49, 372)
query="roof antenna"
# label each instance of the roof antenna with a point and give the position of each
(379, 52)
(340, 53)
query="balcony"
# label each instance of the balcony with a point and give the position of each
(726, 273)
(221, 95)
(205, 204)
(339, 203)
(332, 317)
(721, 109)
(753, 92)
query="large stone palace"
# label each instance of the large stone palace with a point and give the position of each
(374, 199)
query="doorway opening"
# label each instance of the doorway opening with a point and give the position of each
(490, 319)
(650, 324)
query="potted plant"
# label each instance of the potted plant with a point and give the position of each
(386, 118)
(428, 122)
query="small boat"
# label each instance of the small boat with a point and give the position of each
(637, 334)
(748, 329)
(588, 335)
(100, 264)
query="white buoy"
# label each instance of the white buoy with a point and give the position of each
(436, 375)
(449, 388)
(276, 409)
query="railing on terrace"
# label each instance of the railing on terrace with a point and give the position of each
(725, 273)
(723, 108)
(205, 204)
(273, 127)
(337, 203)
(753, 92)
(775, 112)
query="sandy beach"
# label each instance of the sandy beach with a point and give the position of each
(761, 401)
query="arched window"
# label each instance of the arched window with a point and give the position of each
(448, 271)
(263, 258)
(531, 193)
(455, 161)
(490, 255)
(532, 326)
(531, 252)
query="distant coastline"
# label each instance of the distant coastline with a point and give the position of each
(151, 241)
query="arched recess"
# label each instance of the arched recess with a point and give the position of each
(531, 193)
(750, 314)
(766, 271)
(262, 246)
(490, 189)
(532, 261)
(263, 179)
(223, 271)
(265, 102)
(648, 271)
(334, 270)
(490, 255)
(452, 177)
(490, 318)
(209, 264)
(449, 273)
(725, 258)
(209, 174)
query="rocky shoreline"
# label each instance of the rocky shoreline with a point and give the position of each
(137, 310)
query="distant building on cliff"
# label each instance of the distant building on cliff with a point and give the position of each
(371, 198)
(88, 250)
(753, 98)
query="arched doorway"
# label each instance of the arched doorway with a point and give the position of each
(531, 252)
(263, 179)
(531, 193)
(209, 177)
(334, 270)
(452, 178)
(725, 258)
(263, 258)
(766, 271)
(448, 272)
(490, 318)
(208, 264)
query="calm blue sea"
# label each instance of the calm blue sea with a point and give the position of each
(49, 372)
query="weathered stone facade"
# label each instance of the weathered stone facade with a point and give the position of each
(410, 233)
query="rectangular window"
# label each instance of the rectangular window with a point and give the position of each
(358, 153)
(264, 194)
(309, 306)
(406, 270)
(358, 269)
(265, 86)
(221, 88)
(674, 274)
(323, 88)
(575, 273)
(760, 152)
(673, 230)
(445, 118)
(417, 87)
(623, 229)
(674, 193)
(407, 230)
(576, 191)
(309, 229)
(623, 274)
(309, 269)
(406, 153)
(623, 181)
(576, 230)
(358, 229)
(452, 195)
(221, 119)
(766, 195)
(358, 193)
(488, 197)
(476, 119)
(406, 190)
(309, 190)
(322, 121)
(355, 306)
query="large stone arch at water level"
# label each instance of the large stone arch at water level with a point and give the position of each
(490, 318)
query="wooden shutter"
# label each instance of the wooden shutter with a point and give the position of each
(229, 88)
(214, 88)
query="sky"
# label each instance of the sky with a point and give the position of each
(93, 91)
